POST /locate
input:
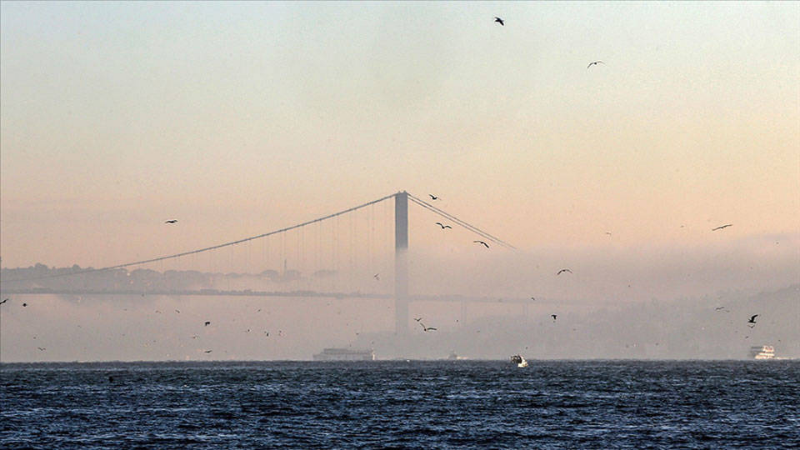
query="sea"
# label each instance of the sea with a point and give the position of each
(401, 404)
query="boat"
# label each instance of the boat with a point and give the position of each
(344, 354)
(762, 352)
(519, 361)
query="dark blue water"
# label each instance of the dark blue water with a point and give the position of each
(458, 404)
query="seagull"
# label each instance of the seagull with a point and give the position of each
(482, 243)
(500, 21)
(562, 271)
(171, 221)
(594, 63)
(377, 276)
(208, 351)
(41, 349)
(207, 324)
(443, 225)
(4, 300)
(719, 308)
(554, 316)
(723, 226)
(433, 197)
(753, 319)
(426, 329)
(417, 318)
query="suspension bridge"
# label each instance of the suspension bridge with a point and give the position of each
(47, 283)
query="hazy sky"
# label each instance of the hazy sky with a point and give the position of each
(241, 118)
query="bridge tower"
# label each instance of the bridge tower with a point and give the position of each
(401, 262)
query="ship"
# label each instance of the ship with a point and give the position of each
(762, 352)
(344, 354)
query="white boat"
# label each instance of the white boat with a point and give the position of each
(762, 352)
(519, 361)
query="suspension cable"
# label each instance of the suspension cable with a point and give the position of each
(460, 222)
(215, 247)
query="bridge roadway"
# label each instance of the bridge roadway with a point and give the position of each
(251, 293)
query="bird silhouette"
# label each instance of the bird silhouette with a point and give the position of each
(208, 351)
(594, 63)
(554, 316)
(4, 300)
(443, 225)
(377, 276)
(500, 21)
(721, 227)
(417, 318)
(433, 197)
(482, 243)
(171, 221)
(41, 349)
(562, 271)
(753, 319)
(426, 329)
(207, 324)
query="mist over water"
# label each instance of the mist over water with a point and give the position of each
(653, 303)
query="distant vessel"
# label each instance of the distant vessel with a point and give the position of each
(762, 352)
(344, 354)
(519, 361)
(454, 357)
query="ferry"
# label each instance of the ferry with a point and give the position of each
(762, 352)
(344, 354)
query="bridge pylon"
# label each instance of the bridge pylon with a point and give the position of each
(401, 262)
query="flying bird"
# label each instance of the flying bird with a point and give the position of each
(417, 318)
(426, 329)
(208, 351)
(554, 316)
(533, 298)
(753, 319)
(433, 197)
(171, 221)
(4, 300)
(562, 271)
(500, 21)
(723, 226)
(443, 225)
(594, 63)
(41, 349)
(207, 324)
(482, 243)
(377, 276)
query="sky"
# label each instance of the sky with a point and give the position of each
(242, 118)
